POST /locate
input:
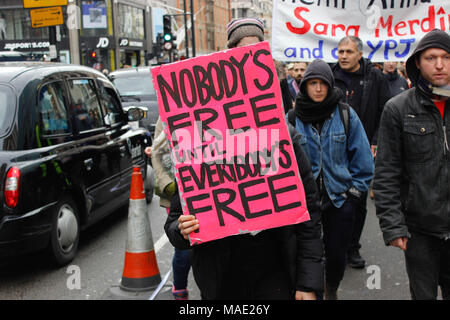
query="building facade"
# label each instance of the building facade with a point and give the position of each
(210, 21)
(111, 33)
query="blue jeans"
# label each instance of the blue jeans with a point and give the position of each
(181, 264)
(337, 233)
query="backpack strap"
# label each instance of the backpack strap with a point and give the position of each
(291, 117)
(344, 112)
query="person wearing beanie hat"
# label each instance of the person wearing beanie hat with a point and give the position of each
(411, 184)
(244, 31)
(341, 159)
(366, 90)
(282, 263)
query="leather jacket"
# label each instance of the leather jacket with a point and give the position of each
(412, 170)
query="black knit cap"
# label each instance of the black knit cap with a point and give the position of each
(318, 69)
(434, 39)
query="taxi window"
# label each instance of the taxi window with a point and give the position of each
(85, 106)
(53, 110)
(111, 104)
(7, 108)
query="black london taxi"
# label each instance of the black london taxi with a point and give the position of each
(66, 155)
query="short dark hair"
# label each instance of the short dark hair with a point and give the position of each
(355, 40)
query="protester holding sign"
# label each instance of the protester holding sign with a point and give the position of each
(334, 140)
(411, 184)
(366, 91)
(283, 261)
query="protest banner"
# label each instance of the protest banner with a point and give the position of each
(235, 165)
(390, 29)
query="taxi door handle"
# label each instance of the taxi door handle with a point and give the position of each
(123, 150)
(88, 163)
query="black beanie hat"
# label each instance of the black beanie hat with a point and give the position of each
(318, 69)
(434, 39)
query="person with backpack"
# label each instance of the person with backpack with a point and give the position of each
(366, 90)
(341, 159)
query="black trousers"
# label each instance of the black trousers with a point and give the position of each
(428, 266)
(337, 230)
(360, 219)
(256, 270)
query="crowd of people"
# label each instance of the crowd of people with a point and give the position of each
(350, 123)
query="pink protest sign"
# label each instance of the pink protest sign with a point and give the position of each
(235, 164)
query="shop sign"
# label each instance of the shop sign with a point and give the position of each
(43, 3)
(124, 42)
(103, 42)
(46, 17)
(26, 45)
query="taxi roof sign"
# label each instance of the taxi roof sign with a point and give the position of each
(43, 3)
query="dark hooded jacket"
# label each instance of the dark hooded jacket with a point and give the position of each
(366, 91)
(412, 170)
(299, 246)
(397, 84)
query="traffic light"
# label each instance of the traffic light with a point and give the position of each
(167, 23)
(159, 46)
(168, 37)
(95, 56)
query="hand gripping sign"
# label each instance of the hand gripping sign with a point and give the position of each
(234, 161)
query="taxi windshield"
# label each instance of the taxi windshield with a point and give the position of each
(135, 86)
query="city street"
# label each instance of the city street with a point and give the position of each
(101, 257)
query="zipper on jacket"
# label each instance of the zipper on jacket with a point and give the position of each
(445, 140)
(444, 128)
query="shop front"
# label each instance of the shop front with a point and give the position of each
(130, 28)
(98, 52)
(16, 34)
(131, 52)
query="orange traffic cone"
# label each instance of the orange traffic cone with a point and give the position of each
(140, 272)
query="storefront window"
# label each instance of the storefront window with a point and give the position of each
(94, 16)
(15, 24)
(131, 22)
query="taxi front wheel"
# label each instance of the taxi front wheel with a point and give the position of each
(65, 233)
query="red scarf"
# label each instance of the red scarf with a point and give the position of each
(441, 106)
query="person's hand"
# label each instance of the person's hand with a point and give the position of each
(187, 224)
(399, 243)
(148, 151)
(355, 196)
(301, 295)
(374, 150)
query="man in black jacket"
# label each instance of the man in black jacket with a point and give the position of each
(279, 263)
(396, 82)
(366, 91)
(412, 173)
